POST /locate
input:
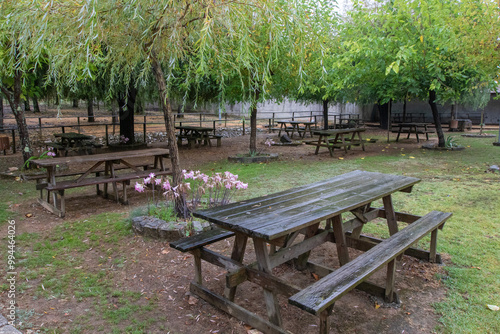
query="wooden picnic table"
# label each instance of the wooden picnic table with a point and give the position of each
(91, 176)
(196, 135)
(71, 141)
(409, 128)
(341, 138)
(295, 126)
(276, 220)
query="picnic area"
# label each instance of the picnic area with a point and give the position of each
(89, 272)
(249, 167)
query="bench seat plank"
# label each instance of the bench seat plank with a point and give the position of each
(200, 240)
(67, 184)
(320, 295)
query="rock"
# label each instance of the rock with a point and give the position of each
(156, 228)
(493, 169)
(285, 139)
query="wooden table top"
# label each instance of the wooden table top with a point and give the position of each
(411, 124)
(295, 122)
(193, 128)
(275, 215)
(81, 159)
(337, 131)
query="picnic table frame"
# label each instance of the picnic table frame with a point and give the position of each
(278, 219)
(341, 138)
(195, 135)
(409, 128)
(71, 141)
(55, 189)
(295, 127)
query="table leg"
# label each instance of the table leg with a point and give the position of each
(270, 297)
(399, 133)
(389, 284)
(343, 142)
(302, 260)
(239, 246)
(340, 241)
(361, 140)
(324, 320)
(392, 223)
(319, 143)
(416, 134)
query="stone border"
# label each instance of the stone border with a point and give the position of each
(435, 147)
(5, 328)
(156, 228)
(258, 158)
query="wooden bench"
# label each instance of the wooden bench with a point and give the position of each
(199, 240)
(218, 138)
(320, 297)
(59, 206)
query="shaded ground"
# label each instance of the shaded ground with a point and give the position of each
(162, 274)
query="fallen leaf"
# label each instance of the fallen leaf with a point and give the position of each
(192, 300)
(377, 306)
(316, 277)
(29, 215)
(493, 307)
(165, 251)
(340, 158)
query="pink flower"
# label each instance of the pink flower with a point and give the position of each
(147, 180)
(152, 175)
(166, 185)
(51, 154)
(157, 182)
(139, 187)
(228, 185)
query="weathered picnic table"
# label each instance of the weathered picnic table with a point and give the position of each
(195, 135)
(71, 141)
(295, 126)
(289, 222)
(341, 138)
(409, 128)
(91, 176)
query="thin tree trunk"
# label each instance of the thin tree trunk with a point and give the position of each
(27, 104)
(404, 111)
(14, 99)
(383, 110)
(170, 128)
(325, 114)
(1, 114)
(481, 128)
(75, 103)
(36, 106)
(253, 125)
(437, 120)
(90, 110)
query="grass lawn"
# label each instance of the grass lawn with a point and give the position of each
(55, 265)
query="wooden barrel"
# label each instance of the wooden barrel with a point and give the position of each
(4, 143)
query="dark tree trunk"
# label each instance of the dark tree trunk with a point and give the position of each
(36, 106)
(1, 114)
(383, 110)
(437, 120)
(127, 115)
(27, 104)
(253, 124)
(90, 110)
(325, 114)
(404, 111)
(14, 99)
(166, 106)
(75, 103)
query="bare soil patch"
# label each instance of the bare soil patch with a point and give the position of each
(163, 274)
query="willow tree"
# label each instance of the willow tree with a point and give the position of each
(206, 37)
(434, 50)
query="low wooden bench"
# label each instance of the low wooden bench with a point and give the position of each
(59, 206)
(319, 298)
(218, 138)
(199, 240)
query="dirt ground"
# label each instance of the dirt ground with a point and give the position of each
(165, 273)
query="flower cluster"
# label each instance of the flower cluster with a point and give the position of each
(50, 152)
(269, 142)
(123, 139)
(217, 189)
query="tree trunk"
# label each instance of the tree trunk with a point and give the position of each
(437, 120)
(27, 104)
(253, 124)
(180, 202)
(1, 114)
(404, 111)
(127, 115)
(383, 110)
(14, 99)
(325, 114)
(75, 103)
(90, 110)
(36, 106)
